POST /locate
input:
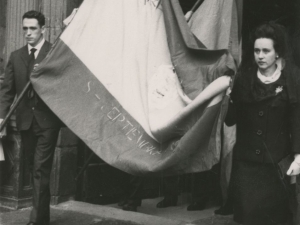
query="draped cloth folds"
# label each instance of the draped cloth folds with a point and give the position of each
(115, 73)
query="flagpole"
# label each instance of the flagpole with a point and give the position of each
(14, 106)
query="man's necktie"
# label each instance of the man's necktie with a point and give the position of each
(31, 60)
(30, 67)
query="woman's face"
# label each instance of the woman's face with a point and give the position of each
(265, 55)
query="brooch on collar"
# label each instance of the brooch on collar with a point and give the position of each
(278, 90)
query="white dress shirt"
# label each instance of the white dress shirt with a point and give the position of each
(37, 47)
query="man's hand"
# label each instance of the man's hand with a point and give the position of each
(295, 166)
(35, 66)
(188, 15)
(3, 132)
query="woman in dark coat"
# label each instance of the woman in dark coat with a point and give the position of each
(265, 106)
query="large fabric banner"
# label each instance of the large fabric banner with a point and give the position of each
(217, 23)
(130, 79)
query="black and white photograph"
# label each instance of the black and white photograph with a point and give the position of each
(149, 112)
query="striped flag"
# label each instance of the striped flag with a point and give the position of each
(130, 79)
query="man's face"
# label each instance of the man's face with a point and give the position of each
(32, 31)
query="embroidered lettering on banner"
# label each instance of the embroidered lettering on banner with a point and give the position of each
(132, 133)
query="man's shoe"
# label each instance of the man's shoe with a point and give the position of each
(195, 206)
(132, 205)
(136, 202)
(167, 201)
(34, 223)
(198, 205)
(129, 207)
(224, 210)
(122, 203)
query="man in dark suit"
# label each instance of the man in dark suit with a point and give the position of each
(38, 126)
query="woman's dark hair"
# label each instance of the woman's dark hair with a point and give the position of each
(272, 31)
(35, 15)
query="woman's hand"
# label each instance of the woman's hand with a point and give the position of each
(295, 166)
(188, 15)
(228, 91)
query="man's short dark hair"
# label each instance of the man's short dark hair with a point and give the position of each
(35, 15)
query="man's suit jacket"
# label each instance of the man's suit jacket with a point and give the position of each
(15, 79)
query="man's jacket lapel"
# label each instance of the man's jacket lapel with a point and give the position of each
(24, 55)
(43, 52)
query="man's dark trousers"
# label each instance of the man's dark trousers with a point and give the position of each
(39, 146)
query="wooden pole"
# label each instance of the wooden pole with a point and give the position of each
(14, 106)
